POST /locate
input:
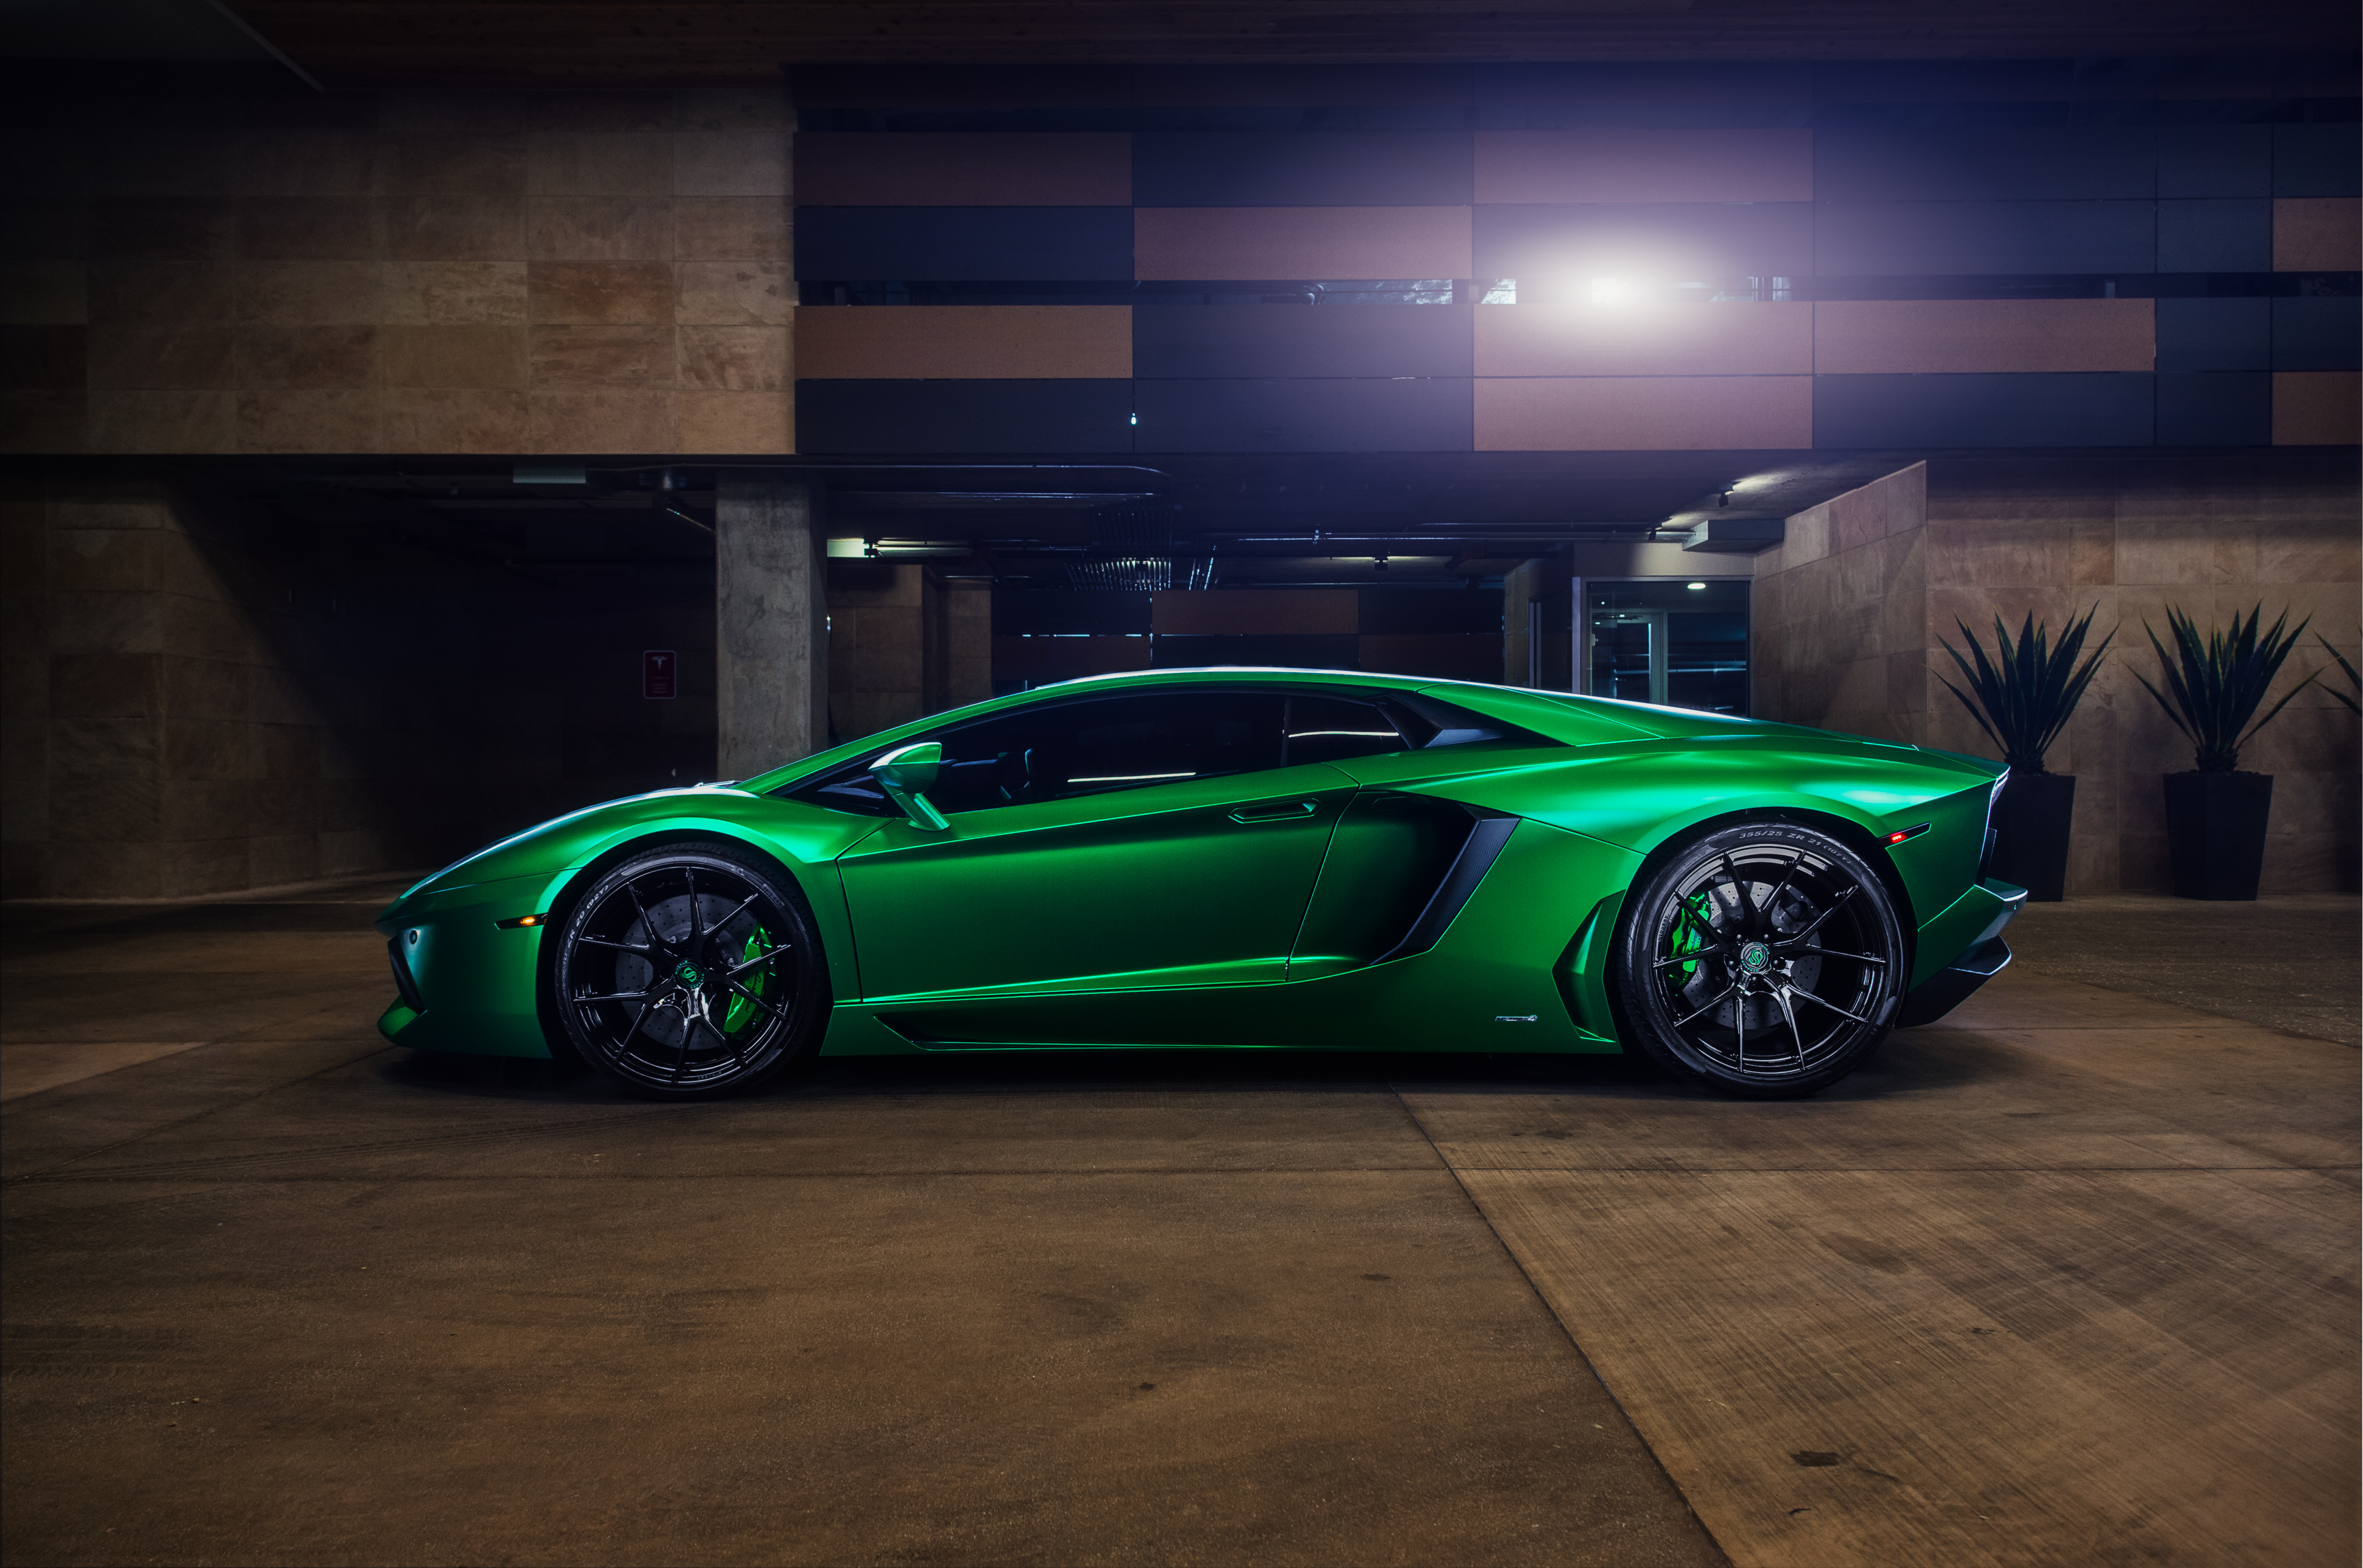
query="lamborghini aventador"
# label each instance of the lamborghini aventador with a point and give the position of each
(1272, 858)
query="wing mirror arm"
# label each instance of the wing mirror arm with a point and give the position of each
(906, 774)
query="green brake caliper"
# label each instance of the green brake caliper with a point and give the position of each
(743, 1011)
(1687, 937)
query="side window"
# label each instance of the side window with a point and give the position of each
(1095, 745)
(1117, 743)
(1329, 729)
(849, 788)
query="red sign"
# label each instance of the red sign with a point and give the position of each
(660, 674)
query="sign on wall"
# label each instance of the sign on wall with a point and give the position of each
(660, 674)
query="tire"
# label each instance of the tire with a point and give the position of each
(689, 972)
(1765, 960)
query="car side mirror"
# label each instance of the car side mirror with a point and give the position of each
(906, 774)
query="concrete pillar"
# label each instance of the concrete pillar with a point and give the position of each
(771, 623)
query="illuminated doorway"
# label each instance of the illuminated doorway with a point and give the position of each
(1676, 642)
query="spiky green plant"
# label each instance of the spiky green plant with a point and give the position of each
(2352, 678)
(2028, 691)
(2217, 681)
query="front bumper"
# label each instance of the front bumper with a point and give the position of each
(465, 983)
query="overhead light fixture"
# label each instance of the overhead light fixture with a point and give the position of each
(1610, 290)
(875, 548)
(1694, 587)
(983, 500)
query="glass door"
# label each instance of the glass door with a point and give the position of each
(1670, 641)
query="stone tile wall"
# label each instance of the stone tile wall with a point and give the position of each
(1852, 610)
(201, 696)
(399, 272)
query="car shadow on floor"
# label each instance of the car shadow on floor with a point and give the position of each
(1913, 1061)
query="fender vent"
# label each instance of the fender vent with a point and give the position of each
(402, 981)
(1483, 846)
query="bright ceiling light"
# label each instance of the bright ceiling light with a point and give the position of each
(1610, 290)
(1694, 587)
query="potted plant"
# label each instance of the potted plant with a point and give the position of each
(2216, 814)
(2022, 698)
(2346, 699)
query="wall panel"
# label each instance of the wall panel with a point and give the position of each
(1443, 656)
(1649, 340)
(1622, 164)
(1366, 415)
(1950, 237)
(964, 416)
(1039, 660)
(2317, 408)
(1560, 246)
(2317, 334)
(2216, 408)
(961, 243)
(2215, 235)
(968, 168)
(1645, 413)
(2214, 335)
(970, 342)
(1327, 168)
(1300, 242)
(2030, 410)
(2317, 160)
(1985, 163)
(1923, 337)
(2318, 233)
(2214, 160)
(1237, 341)
(1286, 651)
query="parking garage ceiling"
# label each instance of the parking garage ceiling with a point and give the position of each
(1435, 517)
(644, 44)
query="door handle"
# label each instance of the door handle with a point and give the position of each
(1276, 812)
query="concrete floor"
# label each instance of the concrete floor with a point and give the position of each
(2069, 1278)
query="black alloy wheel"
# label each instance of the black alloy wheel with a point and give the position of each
(1765, 960)
(689, 972)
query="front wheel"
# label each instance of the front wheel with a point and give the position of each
(1764, 960)
(688, 972)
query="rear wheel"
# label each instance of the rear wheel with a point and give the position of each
(1765, 960)
(689, 972)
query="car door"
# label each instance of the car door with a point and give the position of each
(1152, 839)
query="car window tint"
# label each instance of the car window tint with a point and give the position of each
(1327, 729)
(1117, 743)
(849, 789)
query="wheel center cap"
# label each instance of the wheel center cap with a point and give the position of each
(688, 974)
(1755, 957)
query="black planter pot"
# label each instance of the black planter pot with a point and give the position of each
(2215, 832)
(2031, 824)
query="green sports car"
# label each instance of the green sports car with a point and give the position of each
(1235, 857)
